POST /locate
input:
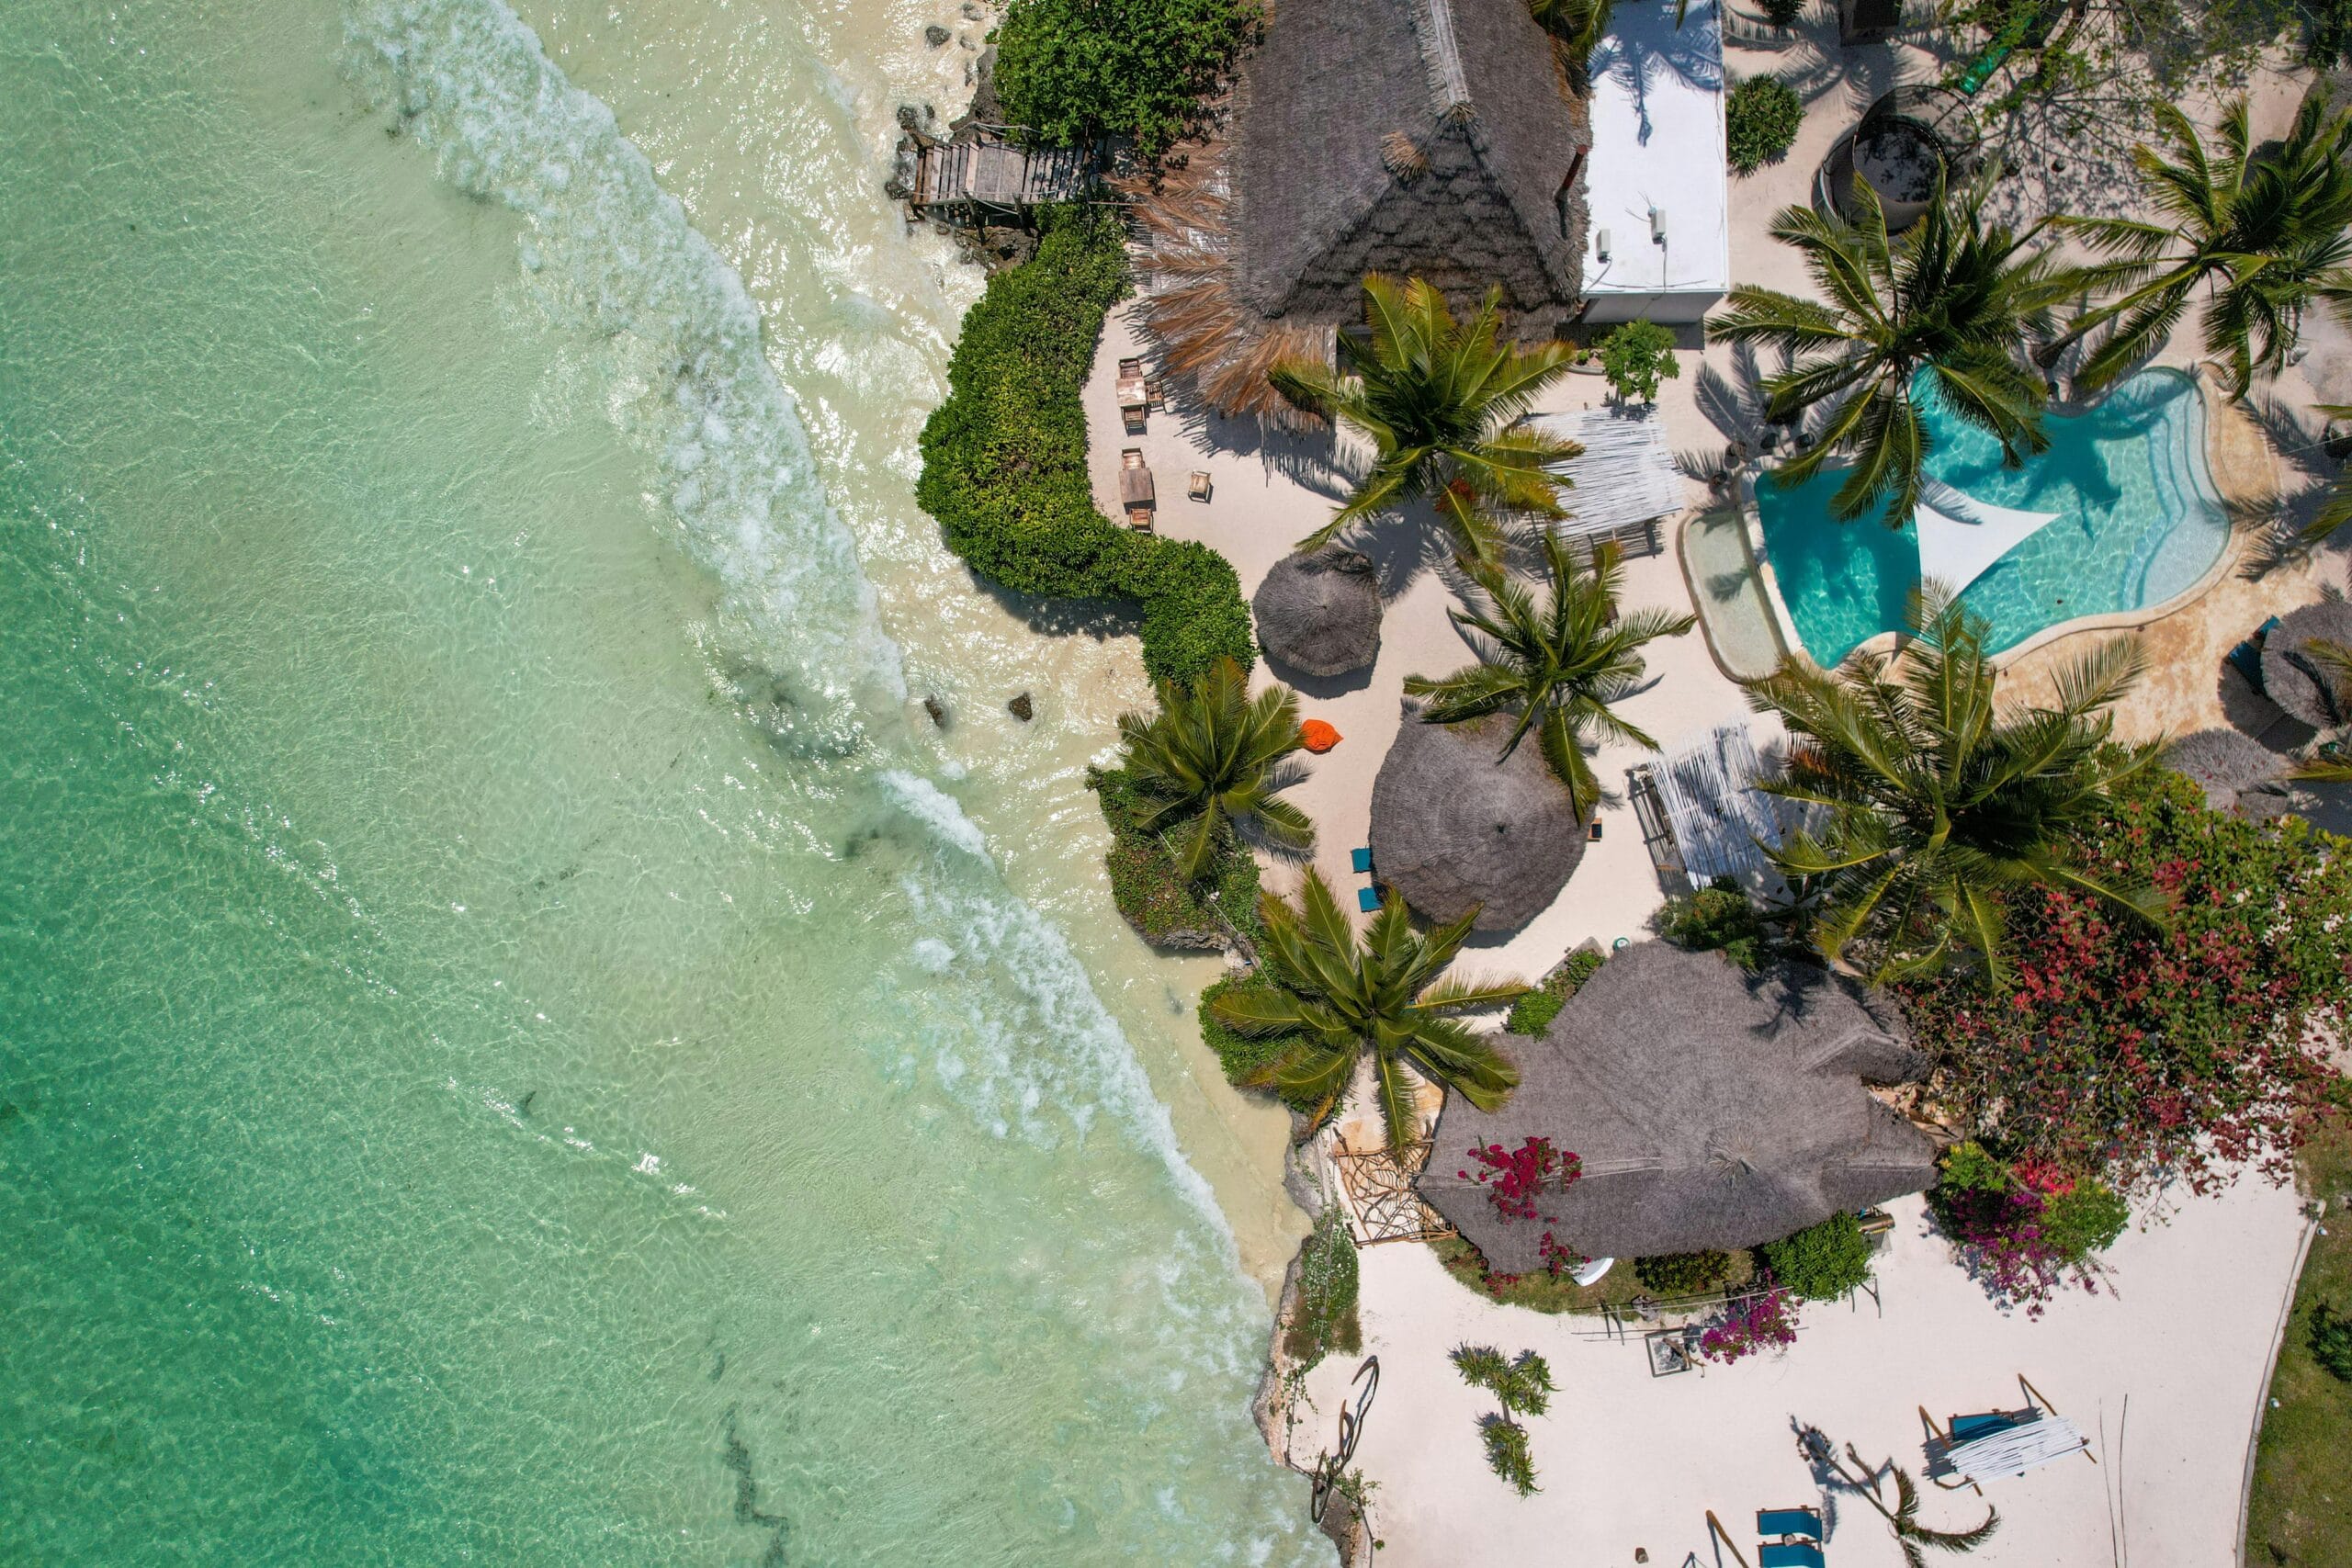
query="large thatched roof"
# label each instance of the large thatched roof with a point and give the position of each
(1712, 1109)
(1457, 824)
(1436, 139)
(1319, 614)
(2289, 676)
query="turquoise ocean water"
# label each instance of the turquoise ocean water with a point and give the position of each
(2139, 522)
(510, 1052)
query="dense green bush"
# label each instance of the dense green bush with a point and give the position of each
(1683, 1273)
(2025, 1229)
(1719, 917)
(1535, 1009)
(1634, 356)
(1073, 70)
(1005, 459)
(1760, 121)
(1324, 1318)
(2331, 1340)
(1782, 14)
(1822, 1262)
(1149, 888)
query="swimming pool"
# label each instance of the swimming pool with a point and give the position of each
(2137, 521)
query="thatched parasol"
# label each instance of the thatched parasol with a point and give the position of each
(1455, 824)
(1319, 614)
(2224, 762)
(2288, 675)
(1711, 1110)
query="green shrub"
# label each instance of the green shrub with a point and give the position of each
(1822, 1262)
(1683, 1273)
(1535, 1009)
(2331, 1340)
(1073, 70)
(1324, 1319)
(1719, 917)
(1634, 356)
(1760, 122)
(1005, 459)
(2085, 1220)
(1242, 1058)
(1782, 14)
(1149, 889)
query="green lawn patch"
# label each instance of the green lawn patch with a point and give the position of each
(2301, 1516)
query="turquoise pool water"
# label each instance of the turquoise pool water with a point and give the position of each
(2139, 522)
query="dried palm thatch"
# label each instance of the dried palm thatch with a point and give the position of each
(2224, 762)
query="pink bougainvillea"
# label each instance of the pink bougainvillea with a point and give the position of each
(1516, 1179)
(1751, 1324)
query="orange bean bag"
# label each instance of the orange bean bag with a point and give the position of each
(1317, 737)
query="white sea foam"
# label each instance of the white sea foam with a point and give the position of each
(610, 248)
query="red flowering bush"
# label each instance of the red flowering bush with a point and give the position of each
(1514, 1176)
(2134, 1052)
(1751, 1324)
(2025, 1230)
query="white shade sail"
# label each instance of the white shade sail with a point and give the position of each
(1961, 537)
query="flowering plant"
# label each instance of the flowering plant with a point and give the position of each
(1514, 1176)
(1750, 1324)
(2134, 1053)
(2026, 1229)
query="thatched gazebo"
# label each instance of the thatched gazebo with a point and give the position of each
(1319, 614)
(1437, 139)
(1711, 1110)
(2291, 678)
(1456, 825)
(2224, 763)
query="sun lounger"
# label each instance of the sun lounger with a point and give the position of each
(1787, 1522)
(1362, 860)
(1368, 900)
(2247, 657)
(1135, 396)
(1788, 1554)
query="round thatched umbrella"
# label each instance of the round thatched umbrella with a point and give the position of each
(2224, 761)
(1319, 614)
(2303, 688)
(1455, 824)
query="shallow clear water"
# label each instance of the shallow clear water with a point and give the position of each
(2139, 522)
(511, 1049)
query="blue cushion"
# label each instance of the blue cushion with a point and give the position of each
(1368, 899)
(1788, 1554)
(1966, 1429)
(1805, 1522)
(1361, 859)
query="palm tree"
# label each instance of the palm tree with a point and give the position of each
(1932, 802)
(1210, 757)
(1946, 306)
(1558, 663)
(1577, 27)
(1341, 998)
(1520, 1384)
(1904, 1519)
(2337, 510)
(1437, 398)
(2262, 232)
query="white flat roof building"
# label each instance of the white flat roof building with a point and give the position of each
(1657, 187)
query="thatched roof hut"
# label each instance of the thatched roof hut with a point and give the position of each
(1711, 1110)
(1455, 824)
(2291, 678)
(2224, 762)
(1319, 614)
(1437, 139)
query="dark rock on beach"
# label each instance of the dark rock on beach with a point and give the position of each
(1022, 708)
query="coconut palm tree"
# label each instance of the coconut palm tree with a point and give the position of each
(1210, 757)
(2262, 232)
(1932, 802)
(2337, 510)
(1577, 27)
(1942, 309)
(1385, 995)
(1438, 399)
(1559, 662)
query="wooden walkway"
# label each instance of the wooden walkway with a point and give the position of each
(967, 178)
